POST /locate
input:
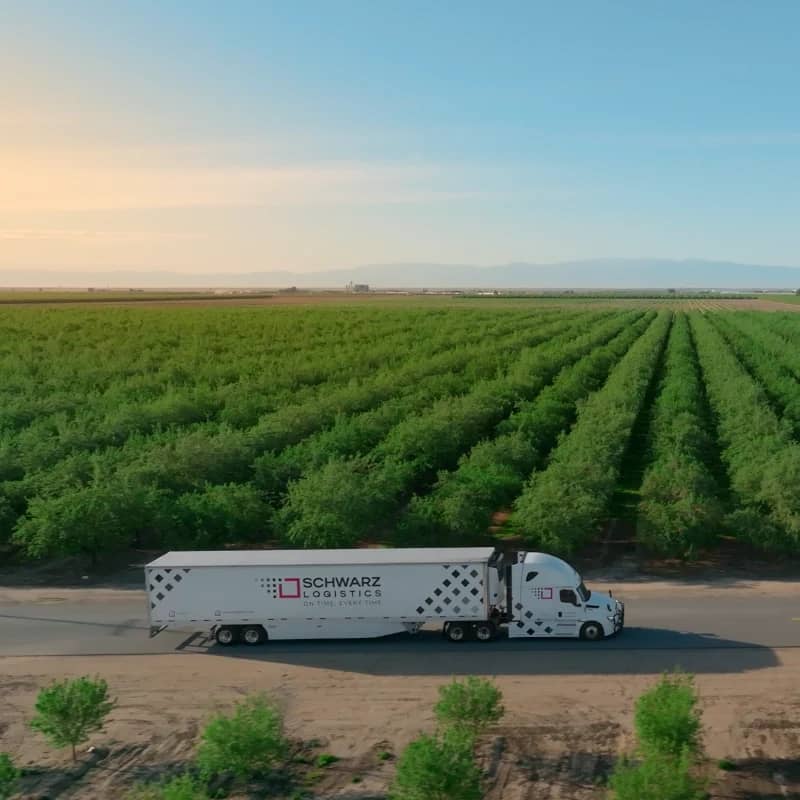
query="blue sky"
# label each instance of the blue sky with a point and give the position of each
(233, 137)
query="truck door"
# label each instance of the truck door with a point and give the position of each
(534, 604)
(567, 610)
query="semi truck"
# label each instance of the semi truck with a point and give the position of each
(253, 596)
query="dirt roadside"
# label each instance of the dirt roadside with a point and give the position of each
(558, 739)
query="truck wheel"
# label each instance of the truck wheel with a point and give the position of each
(253, 634)
(592, 631)
(226, 635)
(485, 631)
(456, 632)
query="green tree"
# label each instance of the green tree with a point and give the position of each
(438, 768)
(667, 720)
(183, 787)
(89, 520)
(472, 705)
(8, 776)
(68, 711)
(246, 743)
(221, 514)
(657, 778)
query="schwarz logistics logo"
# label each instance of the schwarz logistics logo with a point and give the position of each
(319, 588)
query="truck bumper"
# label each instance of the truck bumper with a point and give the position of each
(619, 618)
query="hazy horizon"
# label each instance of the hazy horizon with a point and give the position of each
(302, 137)
(591, 274)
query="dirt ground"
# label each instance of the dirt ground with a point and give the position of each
(557, 740)
(417, 298)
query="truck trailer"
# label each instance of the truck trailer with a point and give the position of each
(252, 596)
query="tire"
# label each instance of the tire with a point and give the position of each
(592, 631)
(227, 635)
(485, 631)
(456, 632)
(253, 635)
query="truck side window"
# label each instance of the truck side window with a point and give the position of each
(530, 576)
(568, 596)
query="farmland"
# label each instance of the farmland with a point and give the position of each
(403, 422)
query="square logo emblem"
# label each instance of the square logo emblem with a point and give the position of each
(289, 588)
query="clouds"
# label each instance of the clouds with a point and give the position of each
(87, 236)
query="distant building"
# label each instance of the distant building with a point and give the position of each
(358, 287)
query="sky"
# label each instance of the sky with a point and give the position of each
(254, 136)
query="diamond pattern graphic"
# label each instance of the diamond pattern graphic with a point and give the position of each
(460, 591)
(165, 581)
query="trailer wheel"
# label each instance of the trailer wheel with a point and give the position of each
(456, 632)
(253, 634)
(226, 635)
(485, 631)
(592, 631)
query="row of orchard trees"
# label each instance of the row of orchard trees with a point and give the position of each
(206, 483)
(494, 472)
(416, 427)
(680, 509)
(560, 506)
(250, 744)
(719, 396)
(761, 457)
(348, 498)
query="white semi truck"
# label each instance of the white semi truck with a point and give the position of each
(250, 596)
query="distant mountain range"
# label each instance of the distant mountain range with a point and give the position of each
(592, 274)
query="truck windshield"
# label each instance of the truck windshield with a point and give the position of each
(584, 592)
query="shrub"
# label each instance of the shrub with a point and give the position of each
(472, 705)
(68, 711)
(181, 788)
(8, 776)
(326, 759)
(657, 778)
(667, 720)
(249, 742)
(438, 768)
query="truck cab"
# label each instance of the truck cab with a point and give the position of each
(547, 598)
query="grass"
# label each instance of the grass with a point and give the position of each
(782, 298)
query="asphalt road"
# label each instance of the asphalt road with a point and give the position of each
(728, 631)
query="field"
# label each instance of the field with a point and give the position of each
(406, 422)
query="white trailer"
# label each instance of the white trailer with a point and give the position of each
(251, 596)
